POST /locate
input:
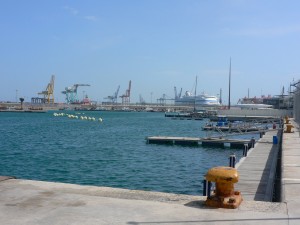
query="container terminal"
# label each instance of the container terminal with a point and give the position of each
(190, 102)
(263, 187)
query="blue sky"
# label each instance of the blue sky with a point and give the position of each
(157, 44)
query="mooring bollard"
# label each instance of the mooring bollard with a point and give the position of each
(224, 196)
(287, 120)
(206, 188)
(232, 160)
(245, 152)
(289, 128)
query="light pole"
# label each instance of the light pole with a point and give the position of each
(17, 95)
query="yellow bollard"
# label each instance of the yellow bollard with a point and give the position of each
(224, 196)
(289, 128)
(287, 120)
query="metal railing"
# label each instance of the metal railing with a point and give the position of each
(297, 101)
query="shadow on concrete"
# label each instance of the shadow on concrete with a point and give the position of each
(265, 188)
(197, 204)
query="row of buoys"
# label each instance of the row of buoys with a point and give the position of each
(59, 114)
(71, 116)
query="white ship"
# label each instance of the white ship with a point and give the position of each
(188, 99)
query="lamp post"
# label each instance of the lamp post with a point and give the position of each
(21, 100)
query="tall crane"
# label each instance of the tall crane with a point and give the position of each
(142, 101)
(163, 100)
(49, 92)
(126, 97)
(114, 98)
(177, 95)
(71, 93)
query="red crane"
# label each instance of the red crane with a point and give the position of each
(126, 97)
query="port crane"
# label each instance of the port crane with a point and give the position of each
(49, 92)
(71, 93)
(142, 101)
(177, 96)
(114, 98)
(163, 100)
(126, 97)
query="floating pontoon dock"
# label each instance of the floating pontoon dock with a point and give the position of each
(213, 142)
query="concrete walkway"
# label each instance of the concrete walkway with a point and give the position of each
(257, 170)
(290, 180)
(37, 203)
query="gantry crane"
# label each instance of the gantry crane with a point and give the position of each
(177, 96)
(126, 97)
(163, 100)
(142, 101)
(71, 93)
(49, 92)
(114, 98)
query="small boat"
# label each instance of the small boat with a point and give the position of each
(230, 129)
(224, 125)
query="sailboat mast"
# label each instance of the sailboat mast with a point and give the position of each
(196, 86)
(229, 83)
(195, 95)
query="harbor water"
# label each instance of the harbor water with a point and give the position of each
(111, 153)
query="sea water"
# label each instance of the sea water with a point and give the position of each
(112, 153)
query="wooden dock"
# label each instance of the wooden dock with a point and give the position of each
(257, 170)
(195, 141)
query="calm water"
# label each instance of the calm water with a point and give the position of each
(113, 153)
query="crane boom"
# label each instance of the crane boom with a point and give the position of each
(71, 93)
(114, 98)
(126, 97)
(117, 92)
(49, 92)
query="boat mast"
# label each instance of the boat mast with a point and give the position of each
(229, 83)
(195, 95)
(196, 86)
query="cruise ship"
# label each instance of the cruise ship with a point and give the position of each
(188, 99)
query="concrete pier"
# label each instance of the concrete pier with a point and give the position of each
(257, 170)
(212, 142)
(41, 203)
(290, 178)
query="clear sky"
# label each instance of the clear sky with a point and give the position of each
(157, 44)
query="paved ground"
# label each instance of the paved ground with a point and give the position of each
(35, 202)
(42, 203)
(291, 173)
(257, 169)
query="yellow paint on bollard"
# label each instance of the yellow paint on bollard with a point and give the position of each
(287, 120)
(289, 128)
(224, 196)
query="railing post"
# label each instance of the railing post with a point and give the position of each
(206, 188)
(252, 142)
(232, 160)
(245, 152)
